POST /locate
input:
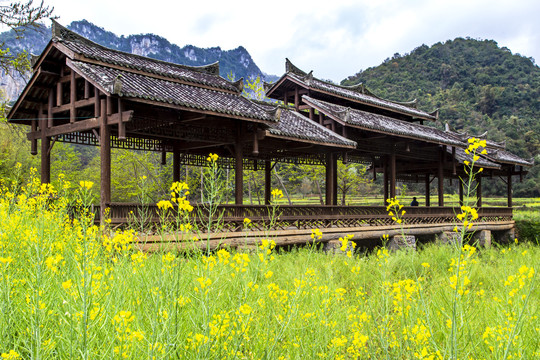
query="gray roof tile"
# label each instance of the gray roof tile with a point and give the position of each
(145, 87)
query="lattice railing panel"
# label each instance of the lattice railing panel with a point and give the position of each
(309, 217)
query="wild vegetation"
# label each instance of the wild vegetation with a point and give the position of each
(70, 289)
(478, 87)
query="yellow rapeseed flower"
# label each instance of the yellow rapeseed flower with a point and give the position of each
(86, 184)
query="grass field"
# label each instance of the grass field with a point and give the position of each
(69, 290)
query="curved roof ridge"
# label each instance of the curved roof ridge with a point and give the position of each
(359, 88)
(362, 88)
(62, 34)
(290, 67)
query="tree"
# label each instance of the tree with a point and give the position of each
(19, 17)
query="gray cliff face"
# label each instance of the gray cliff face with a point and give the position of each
(236, 62)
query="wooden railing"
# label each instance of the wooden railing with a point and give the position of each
(305, 217)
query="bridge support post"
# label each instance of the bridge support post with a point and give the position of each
(447, 238)
(483, 237)
(402, 242)
(504, 236)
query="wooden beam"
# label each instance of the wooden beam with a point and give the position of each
(82, 125)
(105, 156)
(69, 107)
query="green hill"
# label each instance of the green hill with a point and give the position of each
(477, 86)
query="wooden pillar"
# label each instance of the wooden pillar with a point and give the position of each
(393, 175)
(239, 174)
(385, 179)
(105, 155)
(331, 175)
(460, 185)
(45, 154)
(176, 164)
(509, 187)
(440, 176)
(479, 191)
(59, 89)
(428, 200)
(296, 99)
(72, 98)
(97, 103)
(86, 89)
(267, 181)
(121, 124)
(50, 121)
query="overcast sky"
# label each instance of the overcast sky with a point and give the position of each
(335, 38)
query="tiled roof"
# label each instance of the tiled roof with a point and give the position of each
(203, 75)
(461, 157)
(384, 124)
(294, 125)
(127, 84)
(507, 157)
(357, 93)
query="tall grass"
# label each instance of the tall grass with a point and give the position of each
(71, 290)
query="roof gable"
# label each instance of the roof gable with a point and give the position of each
(83, 49)
(357, 94)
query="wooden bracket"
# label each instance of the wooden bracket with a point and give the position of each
(51, 146)
(97, 136)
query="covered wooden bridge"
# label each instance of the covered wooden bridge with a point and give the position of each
(84, 93)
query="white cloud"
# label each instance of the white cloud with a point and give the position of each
(334, 38)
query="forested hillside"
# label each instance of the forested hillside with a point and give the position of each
(477, 86)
